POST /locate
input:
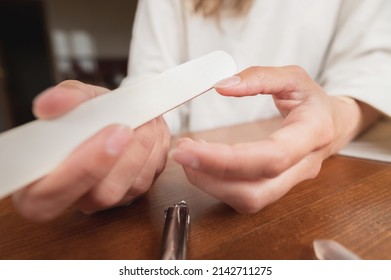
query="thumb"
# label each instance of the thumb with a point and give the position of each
(64, 97)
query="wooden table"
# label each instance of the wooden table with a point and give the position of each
(350, 201)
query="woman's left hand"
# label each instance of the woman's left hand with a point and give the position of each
(249, 176)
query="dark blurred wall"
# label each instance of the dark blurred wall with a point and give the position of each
(26, 55)
(31, 55)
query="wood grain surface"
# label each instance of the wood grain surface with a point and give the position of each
(350, 202)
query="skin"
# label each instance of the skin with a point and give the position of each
(119, 164)
(113, 168)
(250, 176)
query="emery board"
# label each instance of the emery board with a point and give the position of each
(31, 151)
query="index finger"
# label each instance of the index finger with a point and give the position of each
(283, 82)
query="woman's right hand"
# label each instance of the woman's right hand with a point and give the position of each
(110, 169)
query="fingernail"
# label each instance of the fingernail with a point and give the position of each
(185, 158)
(118, 140)
(228, 82)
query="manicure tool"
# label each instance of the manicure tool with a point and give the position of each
(31, 151)
(175, 232)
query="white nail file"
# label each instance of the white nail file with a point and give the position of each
(31, 151)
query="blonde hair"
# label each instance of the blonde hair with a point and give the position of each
(214, 8)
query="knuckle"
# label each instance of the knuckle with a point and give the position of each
(258, 72)
(296, 70)
(296, 74)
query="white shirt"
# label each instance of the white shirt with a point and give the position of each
(345, 45)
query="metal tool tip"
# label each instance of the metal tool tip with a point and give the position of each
(181, 204)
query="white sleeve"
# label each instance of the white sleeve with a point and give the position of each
(359, 60)
(158, 43)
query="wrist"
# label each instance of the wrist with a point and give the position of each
(352, 117)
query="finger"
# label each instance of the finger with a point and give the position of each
(166, 136)
(81, 171)
(141, 185)
(289, 82)
(134, 172)
(62, 98)
(151, 168)
(267, 158)
(111, 190)
(250, 196)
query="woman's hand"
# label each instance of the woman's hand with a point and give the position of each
(112, 168)
(249, 176)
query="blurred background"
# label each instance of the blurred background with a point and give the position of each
(43, 42)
